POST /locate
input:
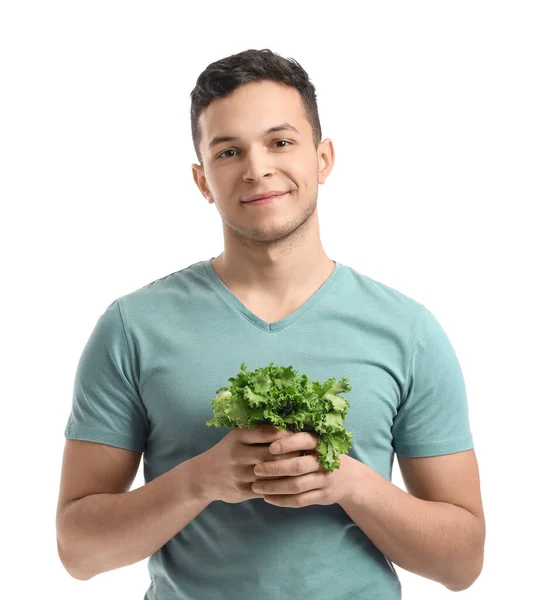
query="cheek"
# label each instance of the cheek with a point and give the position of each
(305, 172)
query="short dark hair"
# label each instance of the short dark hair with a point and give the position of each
(222, 77)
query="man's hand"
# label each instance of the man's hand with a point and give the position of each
(225, 471)
(302, 480)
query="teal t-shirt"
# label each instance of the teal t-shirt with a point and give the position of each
(153, 363)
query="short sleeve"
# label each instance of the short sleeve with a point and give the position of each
(106, 405)
(432, 418)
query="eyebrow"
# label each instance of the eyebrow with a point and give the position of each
(230, 138)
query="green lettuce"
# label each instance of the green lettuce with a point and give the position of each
(282, 397)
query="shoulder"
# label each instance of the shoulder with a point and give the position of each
(156, 297)
(386, 305)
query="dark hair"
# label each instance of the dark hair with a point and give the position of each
(223, 76)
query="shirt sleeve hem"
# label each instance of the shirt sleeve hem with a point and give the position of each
(110, 438)
(434, 448)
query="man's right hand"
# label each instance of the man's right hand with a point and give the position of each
(226, 471)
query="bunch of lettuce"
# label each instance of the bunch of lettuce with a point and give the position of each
(282, 397)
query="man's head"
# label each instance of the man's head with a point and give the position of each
(244, 96)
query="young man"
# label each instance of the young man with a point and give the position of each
(211, 523)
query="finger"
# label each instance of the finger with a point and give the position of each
(255, 459)
(303, 440)
(299, 500)
(265, 457)
(263, 434)
(289, 467)
(247, 488)
(287, 485)
(257, 450)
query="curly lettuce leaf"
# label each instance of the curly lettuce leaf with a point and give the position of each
(280, 396)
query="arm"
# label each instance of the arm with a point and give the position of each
(438, 529)
(105, 531)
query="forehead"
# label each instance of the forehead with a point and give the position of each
(251, 109)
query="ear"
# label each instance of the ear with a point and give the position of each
(201, 182)
(326, 159)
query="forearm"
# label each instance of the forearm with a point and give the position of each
(436, 540)
(103, 532)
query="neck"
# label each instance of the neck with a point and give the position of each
(280, 270)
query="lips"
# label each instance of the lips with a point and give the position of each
(264, 196)
(266, 200)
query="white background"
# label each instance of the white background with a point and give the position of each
(438, 115)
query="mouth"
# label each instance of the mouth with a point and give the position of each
(268, 200)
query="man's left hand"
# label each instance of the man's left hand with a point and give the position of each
(303, 481)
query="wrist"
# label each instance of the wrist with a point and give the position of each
(201, 485)
(353, 475)
(201, 478)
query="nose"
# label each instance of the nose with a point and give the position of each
(258, 165)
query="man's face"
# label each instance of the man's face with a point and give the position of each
(258, 162)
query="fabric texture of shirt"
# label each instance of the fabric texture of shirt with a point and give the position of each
(153, 363)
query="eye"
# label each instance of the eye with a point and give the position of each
(229, 150)
(234, 150)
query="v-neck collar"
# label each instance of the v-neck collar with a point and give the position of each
(227, 293)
